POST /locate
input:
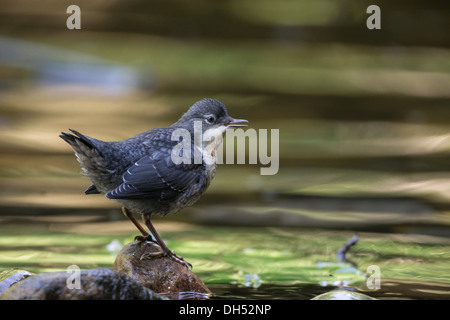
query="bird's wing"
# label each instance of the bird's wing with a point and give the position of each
(156, 176)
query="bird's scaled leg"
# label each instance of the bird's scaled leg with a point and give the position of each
(165, 251)
(145, 235)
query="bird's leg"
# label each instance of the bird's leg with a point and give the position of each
(165, 251)
(145, 235)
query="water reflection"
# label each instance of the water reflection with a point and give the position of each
(250, 263)
(64, 70)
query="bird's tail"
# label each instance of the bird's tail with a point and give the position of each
(87, 151)
(77, 141)
(89, 155)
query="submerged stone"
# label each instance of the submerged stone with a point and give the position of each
(342, 295)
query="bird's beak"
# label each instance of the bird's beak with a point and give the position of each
(236, 123)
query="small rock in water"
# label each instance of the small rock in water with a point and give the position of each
(160, 274)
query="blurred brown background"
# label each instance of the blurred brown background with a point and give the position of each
(363, 114)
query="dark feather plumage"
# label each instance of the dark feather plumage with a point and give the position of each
(139, 173)
(151, 177)
(92, 189)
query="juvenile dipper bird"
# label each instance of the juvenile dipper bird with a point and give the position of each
(141, 174)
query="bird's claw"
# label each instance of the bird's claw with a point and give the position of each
(148, 240)
(144, 239)
(170, 254)
(151, 255)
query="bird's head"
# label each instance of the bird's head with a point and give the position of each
(212, 114)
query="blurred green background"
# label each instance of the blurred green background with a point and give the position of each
(364, 121)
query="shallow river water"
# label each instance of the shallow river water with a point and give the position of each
(241, 262)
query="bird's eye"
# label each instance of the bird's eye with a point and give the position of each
(210, 118)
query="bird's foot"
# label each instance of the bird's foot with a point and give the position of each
(151, 255)
(170, 254)
(144, 239)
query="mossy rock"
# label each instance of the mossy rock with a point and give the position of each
(161, 274)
